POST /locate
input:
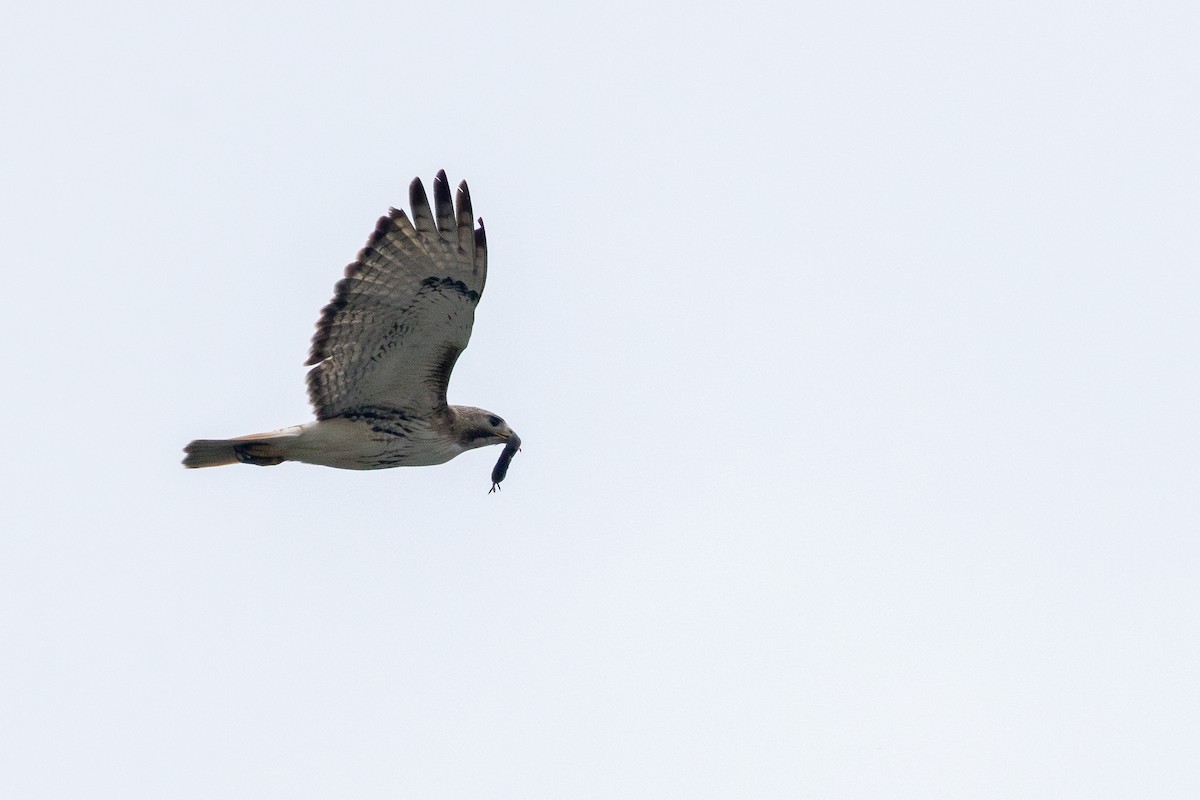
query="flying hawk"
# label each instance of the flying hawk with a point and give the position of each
(384, 349)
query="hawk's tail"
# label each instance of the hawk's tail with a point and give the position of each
(261, 449)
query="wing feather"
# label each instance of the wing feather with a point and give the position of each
(464, 221)
(443, 206)
(419, 201)
(403, 312)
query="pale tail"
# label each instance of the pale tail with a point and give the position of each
(262, 449)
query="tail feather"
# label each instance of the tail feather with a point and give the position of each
(261, 449)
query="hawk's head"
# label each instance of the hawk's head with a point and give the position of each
(478, 428)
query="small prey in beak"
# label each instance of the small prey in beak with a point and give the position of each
(501, 468)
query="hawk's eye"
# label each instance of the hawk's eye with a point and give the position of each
(493, 421)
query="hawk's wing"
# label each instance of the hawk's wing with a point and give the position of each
(403, 313)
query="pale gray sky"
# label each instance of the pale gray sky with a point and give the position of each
(853, 346)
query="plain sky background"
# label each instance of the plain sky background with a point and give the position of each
(853, 346)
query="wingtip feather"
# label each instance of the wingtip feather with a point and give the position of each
(443, 203)
(418, 201)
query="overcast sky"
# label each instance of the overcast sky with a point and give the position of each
(853, 347)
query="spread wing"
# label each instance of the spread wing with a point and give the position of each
(402, 315)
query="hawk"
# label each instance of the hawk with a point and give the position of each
(384, 350)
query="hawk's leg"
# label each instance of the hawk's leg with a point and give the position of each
(245, 454)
